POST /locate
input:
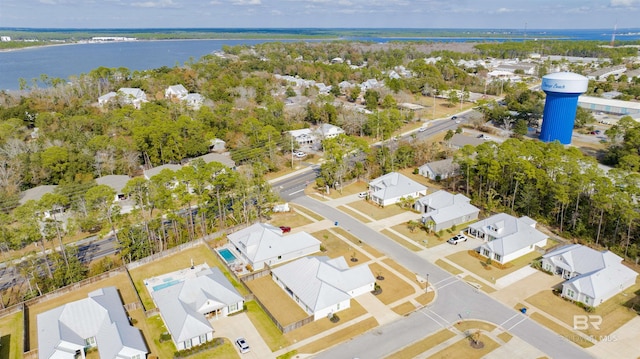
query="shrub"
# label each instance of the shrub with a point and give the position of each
(165, 337)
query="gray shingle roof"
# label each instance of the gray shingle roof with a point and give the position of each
(117, 182)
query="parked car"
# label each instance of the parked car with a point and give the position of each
(299, 154)
(422, 129)
(285, 229)
(454, 117)
(242, 345)
(362, 195)
(457, 239)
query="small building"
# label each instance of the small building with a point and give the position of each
(263, 243)
(131, 96)
(180, 93)
(175, 91)
(217, 145)
(507, 237)
(188, 297)
(393, 187)
(445, 210)
(100, 320)
(323, 286)
(223, 158)
(439, 170)
(592, 276)
(303, 136)
(106, 98)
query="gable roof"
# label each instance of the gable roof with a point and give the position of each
(581, 259)
(36, 193)
(184, 304)
(445, 166)
(327, 129)
(177, 90)
(321, 282)
(218, 157)
(262, 241)
(447, 206)
(394, 185)
(101, 315)
(511, 233)
(117, 182)
(156, 170)
(601, 282)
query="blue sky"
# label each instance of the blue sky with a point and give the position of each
(507, 14)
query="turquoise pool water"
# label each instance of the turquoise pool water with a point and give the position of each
(227, 255)
(168, 282)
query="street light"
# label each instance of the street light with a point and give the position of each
(426, 288)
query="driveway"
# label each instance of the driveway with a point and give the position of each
(239, 325)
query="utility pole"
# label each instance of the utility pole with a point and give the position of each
(291, 150)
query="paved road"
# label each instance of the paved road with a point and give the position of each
(455, 299)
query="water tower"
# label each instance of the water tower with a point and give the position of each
(562, 89)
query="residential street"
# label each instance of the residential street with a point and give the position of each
(455, 300)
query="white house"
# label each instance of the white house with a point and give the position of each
(445, 210)
(186, 304)
(439, 170)
(97, 321)
(263, 243)
(507, 237)
(327, 130)
(217, 145)
(592, 276)
(156, 170)
(392, 187)
(132, 96)
(175, 91)
(104, 99)
(303, 136)
(323, 286)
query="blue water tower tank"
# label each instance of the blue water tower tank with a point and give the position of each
(562, 89)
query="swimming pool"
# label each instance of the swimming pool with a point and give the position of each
(227, 255)
(167, 283)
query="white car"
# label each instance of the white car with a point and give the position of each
(362, 195)
(299, 154)
(242, 345)
(422, 129)
(457, 239)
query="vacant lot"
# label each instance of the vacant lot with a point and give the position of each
(276, 300)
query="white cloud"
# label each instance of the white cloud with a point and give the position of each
(503, 10)
(246, 2)
(625, 3)
(156, 4)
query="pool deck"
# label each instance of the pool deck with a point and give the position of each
(178, 277)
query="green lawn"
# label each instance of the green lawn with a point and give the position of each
(12, 330)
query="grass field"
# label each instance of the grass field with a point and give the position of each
(419, 235)
(490, 273)
(448, 267)
(409, 275)
(11, 329)
(309, 213)
(336, 247)
(356, 241)
(291, 219)
(404, 308)
(568, 334)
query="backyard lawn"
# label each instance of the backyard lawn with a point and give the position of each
(276, 300)
(264, 325)
(12, 330)
(393, 287)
